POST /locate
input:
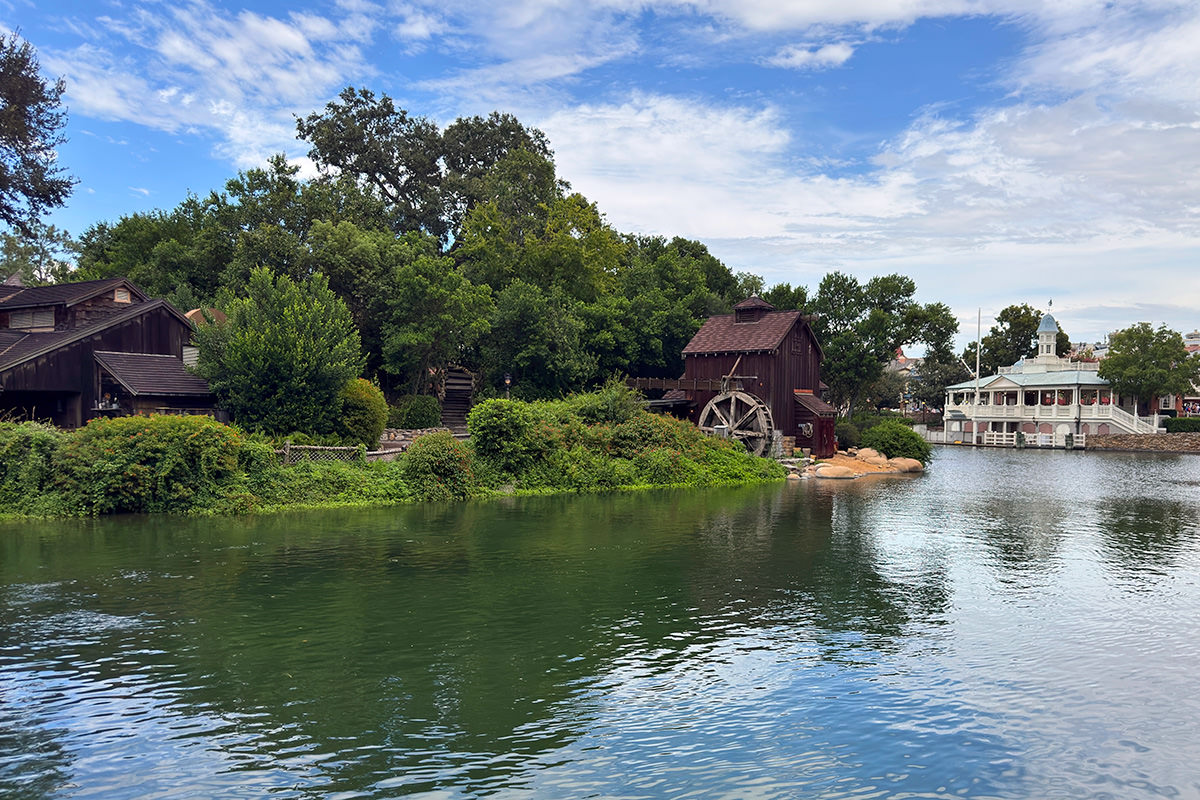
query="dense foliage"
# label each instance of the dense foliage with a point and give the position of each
(897, 440)
(1182, 424)
(363, 414)
(283, 356)
(1146, 362)
(586, 443)
(553, 446)
(31, 124)
(415, 411)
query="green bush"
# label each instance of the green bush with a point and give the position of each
(1182, 424)
(847, 434)
(364, 413)
(414, 412)
(156, 463)
(897, 440)
(512, 434)
(614, 403)
(27, 467)
(438, 466)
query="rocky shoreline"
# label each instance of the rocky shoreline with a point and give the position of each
(851, 464)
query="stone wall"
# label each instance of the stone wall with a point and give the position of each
(401, 438)
(1147, 442)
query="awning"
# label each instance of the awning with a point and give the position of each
(815, 404)
(150, 374)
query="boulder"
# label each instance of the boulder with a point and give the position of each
(907, 465)
(866, 453)
(834, 472)
(793, 476)
(875, 461)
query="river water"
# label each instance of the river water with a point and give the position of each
(1009, 625)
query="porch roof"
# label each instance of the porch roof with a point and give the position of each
(1067, 379)
(151, 374)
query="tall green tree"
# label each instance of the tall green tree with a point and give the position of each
(283, 356)
(432, 316)
(45, 256)
(1146, 362)
(860, 326)
(537, 338)
(395, 155)
(31, 130)
(473, 147)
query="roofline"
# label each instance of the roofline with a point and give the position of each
(802, 317)
(82, 333)
(98, 355)
(110, 283)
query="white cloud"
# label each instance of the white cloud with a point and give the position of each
(802, 57)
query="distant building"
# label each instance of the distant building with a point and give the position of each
(1044, 395)
(76, 351)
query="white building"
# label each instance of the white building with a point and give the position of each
(1046, 397)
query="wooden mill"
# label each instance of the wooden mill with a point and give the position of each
(751, 374)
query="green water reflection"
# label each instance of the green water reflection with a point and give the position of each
(459, 648)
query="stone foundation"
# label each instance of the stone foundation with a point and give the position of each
(1147, 442)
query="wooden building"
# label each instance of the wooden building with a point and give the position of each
(75, 351)
(753, 359)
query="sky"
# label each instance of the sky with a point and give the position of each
(995, 151)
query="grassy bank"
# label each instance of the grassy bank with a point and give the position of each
(194, 465)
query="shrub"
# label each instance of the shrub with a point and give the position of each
(439, 467)
(156, 463)
(415, 411)
(1182, 424)
(510, 433)
(897, 440)
(364, 413)
(27, 472)
(614, 403)
(847, 434)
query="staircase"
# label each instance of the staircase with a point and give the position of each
(456, 400)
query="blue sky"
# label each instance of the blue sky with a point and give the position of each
(997, 151)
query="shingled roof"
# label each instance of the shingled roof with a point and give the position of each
(18, 346)
(722, 334)
(151, 374)
(62, 294)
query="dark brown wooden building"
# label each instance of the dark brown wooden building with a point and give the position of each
(779, 351)
(75, 351)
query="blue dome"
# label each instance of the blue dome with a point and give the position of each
(1048, 325)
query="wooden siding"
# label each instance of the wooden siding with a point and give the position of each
(795, 364)
(69, 372)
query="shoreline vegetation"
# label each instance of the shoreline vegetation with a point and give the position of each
(588, 443)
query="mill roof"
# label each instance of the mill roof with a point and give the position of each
(151, 374)
(61, 294)
(722, 334)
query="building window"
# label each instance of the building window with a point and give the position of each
(32, 319)
(121, 296)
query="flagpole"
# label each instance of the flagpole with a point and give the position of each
(975, 405)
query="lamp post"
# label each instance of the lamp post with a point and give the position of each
(507, 384)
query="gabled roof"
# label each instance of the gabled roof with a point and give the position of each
(62, 294)
(17, 347)
(151, 374)
(722, 334)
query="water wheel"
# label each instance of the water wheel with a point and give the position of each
(747, 419)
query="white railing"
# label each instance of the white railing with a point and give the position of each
(985, 412)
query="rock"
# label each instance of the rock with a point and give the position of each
(906, 465)
(833, 471)
(792, 476)
(875, 461)
(866, 453)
